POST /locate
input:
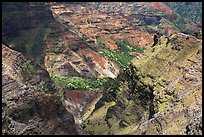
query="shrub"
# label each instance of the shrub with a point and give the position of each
(121, 59)
(91, 84)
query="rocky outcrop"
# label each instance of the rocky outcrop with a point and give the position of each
(160, 93)
(26, 71)
(29, 105)
(144, 16)
(80, 104)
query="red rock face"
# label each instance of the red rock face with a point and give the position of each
(136, 54)
(88, 53)
(161, 6)
(109, 43)
(68, 55)
(139, 38)
(136, 37)
(89, 32)
(78, 96)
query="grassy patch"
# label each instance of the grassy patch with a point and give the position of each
(90, 84)
(121, 59)
(126, 47)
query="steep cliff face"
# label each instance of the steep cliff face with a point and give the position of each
(83, 34)
(29, 105)
(24, 27)
(30, 28)
(160, 93)
(69, 55)
(25, 70)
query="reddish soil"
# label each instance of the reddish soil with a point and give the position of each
(136, 54)
(161, 6)
(109, 43)
(78, 96)
(88, 53)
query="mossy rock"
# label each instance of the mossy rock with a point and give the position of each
(162, 106)
(97, 123)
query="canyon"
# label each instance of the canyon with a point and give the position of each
(110, 68)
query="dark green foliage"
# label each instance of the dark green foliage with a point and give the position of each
(57, 50)
(85, 123)
(126, 47)
(34, 75)
(121, 59)
(192, 11)
(112, 38)
(125, 41)
(91, 84)
(28, 70)
(31, 42)
(113, 91)
(101, 45)
(123, 47)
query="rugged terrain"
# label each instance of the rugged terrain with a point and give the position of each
(166, 17)
(161, 93)
(77, 48)
(101, 68)
(24, 26)
(29, 102)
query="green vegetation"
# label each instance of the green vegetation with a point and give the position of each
(194, 9)
(97, 5)
(121, 59)
(126, 47)
(101, 45)
(85, 123)
(113, 90)
(96, 122)
(91, 84)
(32, 77)
(30, 42)
(57, 49)
(112, 37)
(28, 70)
